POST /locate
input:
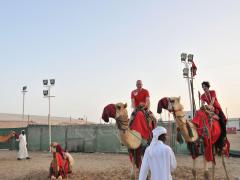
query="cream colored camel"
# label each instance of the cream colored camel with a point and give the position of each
(182, 124)
(5, 138)
(130, 138)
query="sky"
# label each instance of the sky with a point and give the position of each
(96, 50)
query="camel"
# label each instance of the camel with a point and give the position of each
(62, 162)
(130, 136)
(5, 138)
(190, 132)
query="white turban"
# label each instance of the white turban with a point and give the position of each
(158, 131)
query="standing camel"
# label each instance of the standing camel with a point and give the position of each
(5, 138)
(204, 130)
(133, 136)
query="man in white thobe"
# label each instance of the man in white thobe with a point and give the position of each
(23, 152)
(158, 158)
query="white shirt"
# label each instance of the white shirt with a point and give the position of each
(160, 160)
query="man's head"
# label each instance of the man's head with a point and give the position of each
(139, 84)
(23, 132)
(205, 85)
(159, 133)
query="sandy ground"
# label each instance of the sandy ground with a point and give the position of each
(98, 166)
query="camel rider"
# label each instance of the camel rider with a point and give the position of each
(140, 97)
(141, 102)
(209, 97)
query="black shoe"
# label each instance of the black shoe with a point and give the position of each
(19, 159)
(28, 158)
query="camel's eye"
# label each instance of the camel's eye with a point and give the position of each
(172, 100)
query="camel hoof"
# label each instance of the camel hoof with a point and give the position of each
(206, 175)
(194, 173)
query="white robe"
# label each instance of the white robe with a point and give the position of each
(22, 153)
(160, 160)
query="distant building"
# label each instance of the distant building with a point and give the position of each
(233, 122)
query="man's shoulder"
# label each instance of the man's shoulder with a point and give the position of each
(165, 146)
(145, 91)
(212, 91)
(134, 92)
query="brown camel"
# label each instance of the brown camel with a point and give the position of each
(5, 138)
(185, 127)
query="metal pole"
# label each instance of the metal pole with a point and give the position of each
(23, 105)
(189, 89)
(49, 120)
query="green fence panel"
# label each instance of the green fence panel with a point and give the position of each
(108, 139)
(58, 134)
(34, 137)
(81, 138)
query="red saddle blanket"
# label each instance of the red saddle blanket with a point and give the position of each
(140, 125)
(201, 120)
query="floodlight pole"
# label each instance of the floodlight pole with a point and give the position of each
(186, 63)
(189, 89)
(49, 121)
(23, 91)
(48, 95)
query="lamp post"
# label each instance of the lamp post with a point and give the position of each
(188, 60)
(47, 94)
(24, 90)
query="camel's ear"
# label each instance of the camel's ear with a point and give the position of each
(179, 98)
(118, 107)
(125, 105)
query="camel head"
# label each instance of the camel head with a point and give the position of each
(172, 104)
(121, 110)
(176, 105)
(12, 133)
(114, 111)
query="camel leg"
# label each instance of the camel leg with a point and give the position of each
(194, 172)
(213, 170)
(224, 166)
(205, 166)
(133, 171)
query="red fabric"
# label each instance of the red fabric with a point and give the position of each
(227, 150)
(139, 96)
(109, 111)
(214, 132)
(193, 69)
(138, 156)
(140, 125)
(17, 136)
(207, 97)
(162, 104)
(59, 160)
(217, 108)
(62, 163)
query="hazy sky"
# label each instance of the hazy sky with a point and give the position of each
(96, 50)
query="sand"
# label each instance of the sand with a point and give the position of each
(98, 166)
